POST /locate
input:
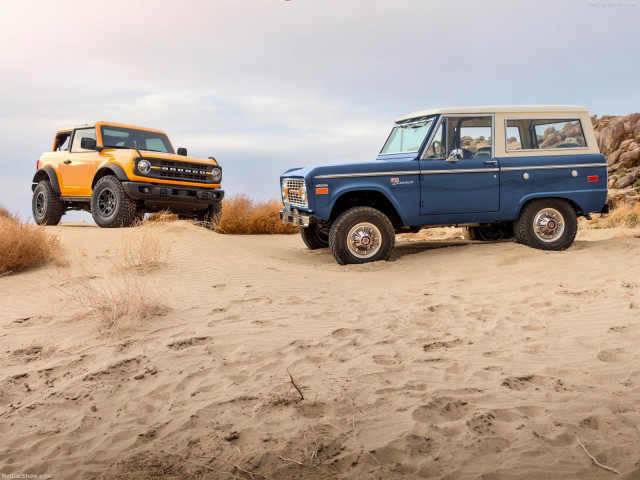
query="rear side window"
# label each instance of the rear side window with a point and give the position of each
(544, 134)
(78, 135)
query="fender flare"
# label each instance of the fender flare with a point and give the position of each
(48, 173)
(367, 187)
(108, 170)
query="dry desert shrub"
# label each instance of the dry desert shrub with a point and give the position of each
(120, 304)
(624, 215)
(141, 249)
(23, 245)
(4, 213)
(243, 216)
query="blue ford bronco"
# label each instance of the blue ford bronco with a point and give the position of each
(517, 171)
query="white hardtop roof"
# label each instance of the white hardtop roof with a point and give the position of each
(498, 109)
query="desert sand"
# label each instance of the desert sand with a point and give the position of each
(454, 360)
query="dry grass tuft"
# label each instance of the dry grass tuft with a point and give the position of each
(23, 245)
(141, 249)
(624, 215)
(243, 216)
(120, 305)
(161, 217)
(4, 213)
(149, 466)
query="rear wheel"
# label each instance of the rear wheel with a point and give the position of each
(361, 235)
(313, 237)
(46, 205)
(547, 224)
(110, 205)
(210, 217)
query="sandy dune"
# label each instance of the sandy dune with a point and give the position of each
(454, 360)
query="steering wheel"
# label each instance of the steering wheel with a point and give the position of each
(438, 149)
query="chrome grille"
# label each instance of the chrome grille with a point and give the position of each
(294, 186)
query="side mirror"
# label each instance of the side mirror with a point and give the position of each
(182, 151)
(455, 155)
(88, 143)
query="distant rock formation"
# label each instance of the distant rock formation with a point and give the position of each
(619, 141)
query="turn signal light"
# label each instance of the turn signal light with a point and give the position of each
(38, 164)
(322, 190)
(592, 178)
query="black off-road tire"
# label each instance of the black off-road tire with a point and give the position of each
(313, 238)
(210, 217)
(339, 241)
(110, 205)
(46, 205)
(525, 232)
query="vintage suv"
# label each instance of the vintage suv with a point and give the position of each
(523, 171)
(120, 172)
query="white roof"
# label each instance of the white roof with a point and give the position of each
(499, 109)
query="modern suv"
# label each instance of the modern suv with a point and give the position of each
(119, 172)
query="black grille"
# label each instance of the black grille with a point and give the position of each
(180, 171)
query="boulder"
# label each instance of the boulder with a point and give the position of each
(613, 158)
(611, 137)
(625, 181)
(629, 159)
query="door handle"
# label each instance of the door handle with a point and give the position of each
(67, 162)
(490, 162)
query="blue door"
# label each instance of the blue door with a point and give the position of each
(458, 172)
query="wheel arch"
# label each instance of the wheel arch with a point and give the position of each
(114, 170)
(526, 201)
(46, 173)
(366, 197)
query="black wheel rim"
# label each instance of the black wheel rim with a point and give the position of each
(40, 204)
(107, 202)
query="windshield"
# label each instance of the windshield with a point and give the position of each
(120, 137)
(408, 136)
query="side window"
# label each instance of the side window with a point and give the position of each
(62, 141)
(545, 134)
(472, 135)
(78, 135)
(438, 146)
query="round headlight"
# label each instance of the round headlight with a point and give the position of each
(216, 174)
(144, 166)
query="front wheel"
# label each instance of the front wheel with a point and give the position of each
(110, 205)
(210, 217)
(313, 237)
(361, 235)
(46, 205)
(547, 224)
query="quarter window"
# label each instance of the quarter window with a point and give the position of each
(78, 135)
(544, 134)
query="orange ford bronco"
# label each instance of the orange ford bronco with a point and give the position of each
(119, 173)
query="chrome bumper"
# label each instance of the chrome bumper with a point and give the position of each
(295, 217)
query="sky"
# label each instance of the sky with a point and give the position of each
(266, 85)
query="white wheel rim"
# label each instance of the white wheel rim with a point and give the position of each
(548, 225)
(364, 240)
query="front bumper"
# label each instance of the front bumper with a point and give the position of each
(294, 216)
(173, 194)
